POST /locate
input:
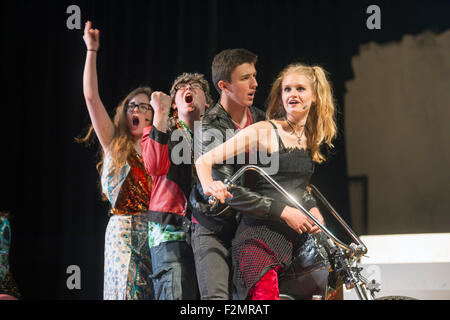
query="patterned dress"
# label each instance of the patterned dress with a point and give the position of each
(127, 257)
(7, 284)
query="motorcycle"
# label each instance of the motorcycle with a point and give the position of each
(325, 263)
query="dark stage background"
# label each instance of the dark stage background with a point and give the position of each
(50, 184)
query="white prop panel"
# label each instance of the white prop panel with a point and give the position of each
(412, 265)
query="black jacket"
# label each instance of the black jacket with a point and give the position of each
(244, 200)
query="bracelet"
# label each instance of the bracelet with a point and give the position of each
(91, 50)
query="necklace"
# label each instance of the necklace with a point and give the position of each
(181, 125)
(299, 137)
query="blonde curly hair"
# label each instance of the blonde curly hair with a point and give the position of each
(321, 122)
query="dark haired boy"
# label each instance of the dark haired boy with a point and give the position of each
(234, 77)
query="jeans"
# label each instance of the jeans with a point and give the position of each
(174, 271)
(212, 254)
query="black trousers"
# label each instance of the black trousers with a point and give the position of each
(212, 255)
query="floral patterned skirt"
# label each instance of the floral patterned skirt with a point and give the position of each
(128, 265)
(8, 286)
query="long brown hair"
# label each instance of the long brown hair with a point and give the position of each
(121, 145)
(321, 123)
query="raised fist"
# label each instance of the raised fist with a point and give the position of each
(91, 37)
(161, 102)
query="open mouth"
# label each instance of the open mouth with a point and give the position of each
(294, 102)
(188, 98)
(135, 121)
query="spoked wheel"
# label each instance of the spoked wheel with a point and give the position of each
(286, 297)
(396, 298)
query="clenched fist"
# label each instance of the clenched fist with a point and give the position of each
(161, 102)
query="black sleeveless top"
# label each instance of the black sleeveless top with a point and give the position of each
(295, 168)
(260, 245)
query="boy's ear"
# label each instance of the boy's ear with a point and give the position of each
(223, 85)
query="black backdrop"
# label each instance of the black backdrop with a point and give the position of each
(49, 182)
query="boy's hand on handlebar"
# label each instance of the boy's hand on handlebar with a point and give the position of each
(217, 189)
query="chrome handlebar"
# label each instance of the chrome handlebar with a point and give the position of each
(358, 249)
